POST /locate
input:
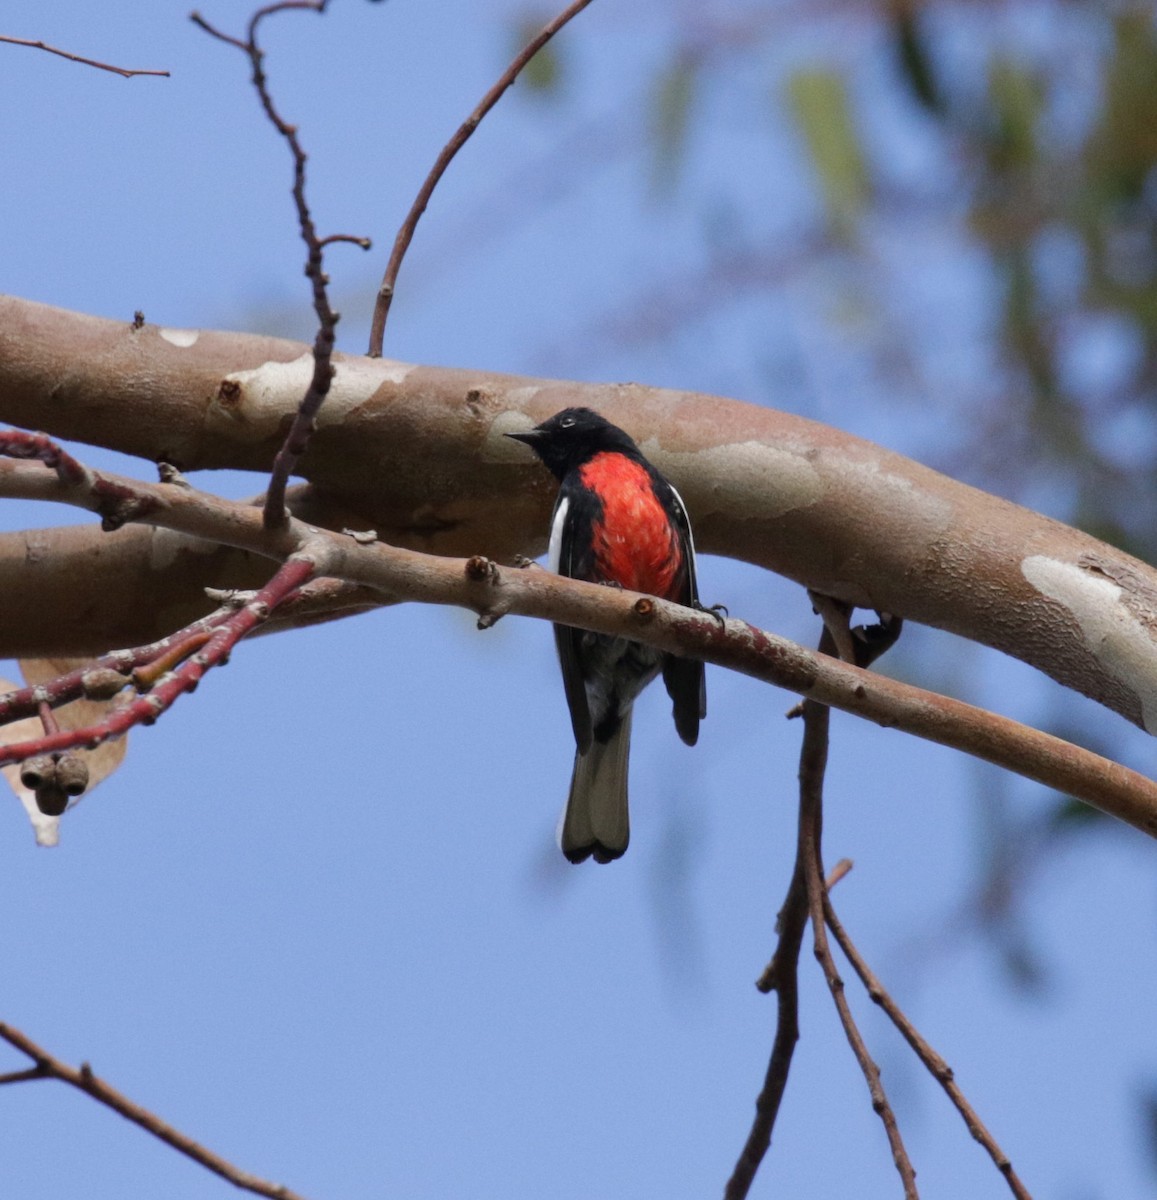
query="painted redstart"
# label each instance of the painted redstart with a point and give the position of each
(616, 521)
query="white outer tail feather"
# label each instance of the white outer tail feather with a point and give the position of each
(596, 816)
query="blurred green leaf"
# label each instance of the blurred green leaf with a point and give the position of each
(819, 103)
(1123, 149)
(672, 99)
(543, 74)
(1017, 100)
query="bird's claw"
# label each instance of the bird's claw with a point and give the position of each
(718, 611)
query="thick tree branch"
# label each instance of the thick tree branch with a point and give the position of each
(84, 1080)
(417, 453)
(491, 591)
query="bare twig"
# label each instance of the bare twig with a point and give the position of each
(813, 763)
(49, 1067)
(123, 72)
(405, 234)
(100, 679)
(838, 872)
(408, 575)
(301, 430)
(182, 666)
(936, 1065)
(781, 976)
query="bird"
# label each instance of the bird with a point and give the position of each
(617, 521)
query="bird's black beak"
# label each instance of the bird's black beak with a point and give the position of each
(530, 436)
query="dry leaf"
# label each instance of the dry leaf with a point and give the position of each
(101, 762)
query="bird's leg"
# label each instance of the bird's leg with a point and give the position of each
(836, 616)
(718, 611)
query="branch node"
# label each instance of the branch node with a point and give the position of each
(644, 610)
(229, 597)
(480, 569)
(101, 683)
(363, 537)
(167, 473)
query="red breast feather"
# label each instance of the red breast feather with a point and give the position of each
(634, 542)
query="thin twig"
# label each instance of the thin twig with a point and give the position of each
(123, 72)
(301, 430)
(936, 1065)
(205, 651)
(100, 679)
(405, 234)
(837, 873)
(49, 1067)
(812, 766)
(781, 976)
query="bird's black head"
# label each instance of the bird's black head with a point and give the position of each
(570, 437)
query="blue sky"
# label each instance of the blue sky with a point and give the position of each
(318, 920)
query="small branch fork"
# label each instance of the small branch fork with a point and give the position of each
(48, 1067)
(808, 898)
(301, 430)
(406, 233)
(163, 677)
(123, 72)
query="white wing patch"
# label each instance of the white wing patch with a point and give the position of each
(557, 524)
(685, 520)
(685, 523)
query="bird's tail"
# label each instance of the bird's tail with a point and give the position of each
(595, 821)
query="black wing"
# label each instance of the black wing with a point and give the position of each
(684, 677)
(563, 543)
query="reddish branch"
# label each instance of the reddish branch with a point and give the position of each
(406, 232)
(202, 655)
(123, 72)
(301, 430)
(48, 1067)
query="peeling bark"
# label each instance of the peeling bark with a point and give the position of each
(416, 452)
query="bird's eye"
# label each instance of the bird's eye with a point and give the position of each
(566, 423)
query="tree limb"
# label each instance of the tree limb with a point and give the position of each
(491, 591)
(417, 453)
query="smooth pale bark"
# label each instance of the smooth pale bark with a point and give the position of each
(417, 453)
